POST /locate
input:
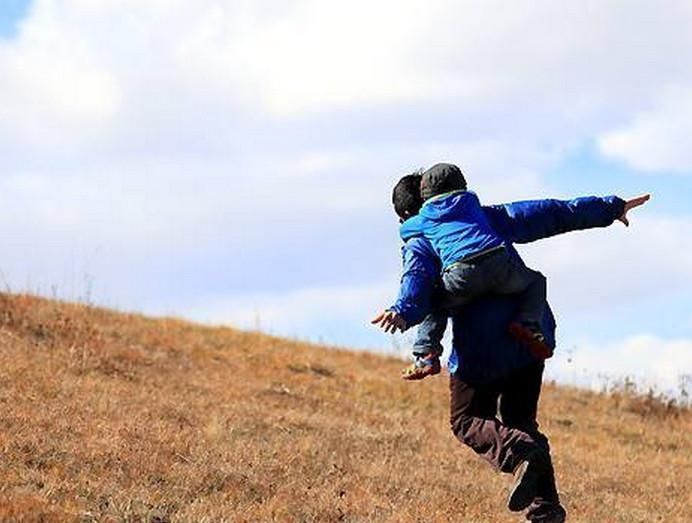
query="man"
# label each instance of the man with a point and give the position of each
(486, 364)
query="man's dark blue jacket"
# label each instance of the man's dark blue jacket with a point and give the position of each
(482, 350)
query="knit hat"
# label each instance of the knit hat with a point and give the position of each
(441, 178)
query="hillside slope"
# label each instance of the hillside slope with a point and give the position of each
(115, 417)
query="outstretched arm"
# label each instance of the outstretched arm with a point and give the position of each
(528, 221)
(420, 269)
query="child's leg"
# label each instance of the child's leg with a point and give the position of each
(432, 328)
(508, 275)
(430, 333)
(427, 347)
(462, 282)
(534, 296)
(499, 273)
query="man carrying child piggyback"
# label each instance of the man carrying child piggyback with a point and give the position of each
(474, 259)
(497, 353)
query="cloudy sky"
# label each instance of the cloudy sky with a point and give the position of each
(231, 161)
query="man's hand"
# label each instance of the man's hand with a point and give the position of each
(389, 321)
(631, 204)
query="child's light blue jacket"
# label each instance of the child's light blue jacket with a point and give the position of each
(455, 225)
(481, 349)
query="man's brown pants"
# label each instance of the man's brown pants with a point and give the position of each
(504, 442)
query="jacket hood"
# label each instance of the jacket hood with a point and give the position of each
(442, 208)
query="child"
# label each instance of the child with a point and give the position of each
(474, 261)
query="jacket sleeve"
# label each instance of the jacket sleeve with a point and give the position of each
(528, 221)
(420, 270)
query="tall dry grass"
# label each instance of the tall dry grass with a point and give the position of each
(116, 417)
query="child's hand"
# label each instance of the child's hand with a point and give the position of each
(389, 321)
(631, 204)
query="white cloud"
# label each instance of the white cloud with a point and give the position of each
(656, 139)
(650, 361)
(498, 171)
(603, 268)
(53, 84)
(332, 314)
(115, 78)
(330, 54)
(308, 56)
(606, 286)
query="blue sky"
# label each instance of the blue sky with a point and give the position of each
(11, 11)
(232, 162)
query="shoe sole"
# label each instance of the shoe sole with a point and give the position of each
(524, 489)
(524, 336)
(430, 371)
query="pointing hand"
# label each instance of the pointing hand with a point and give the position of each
(631, 204)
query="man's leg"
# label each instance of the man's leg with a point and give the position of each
(474, 422)
(518, 408)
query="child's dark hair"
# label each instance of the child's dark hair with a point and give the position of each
(406, 195)
(441, 178)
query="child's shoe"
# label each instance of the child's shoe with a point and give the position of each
(422, 367)
(529, 334)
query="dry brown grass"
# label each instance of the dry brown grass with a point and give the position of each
(114, 417)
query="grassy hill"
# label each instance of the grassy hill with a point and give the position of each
(115, 417)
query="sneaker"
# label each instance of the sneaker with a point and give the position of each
(526, 476)
(421, 368)
(530, 335)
